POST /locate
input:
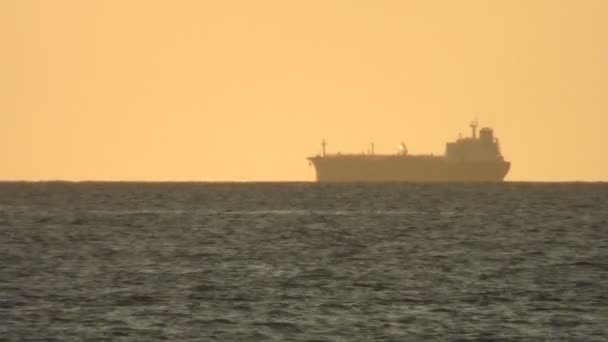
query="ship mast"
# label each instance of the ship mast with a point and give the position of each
(473, 126)
(323, 146)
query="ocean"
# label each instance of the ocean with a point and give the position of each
(303, 262)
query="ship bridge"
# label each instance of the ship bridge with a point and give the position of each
(474, 148)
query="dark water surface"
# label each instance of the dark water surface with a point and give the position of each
(303, 262)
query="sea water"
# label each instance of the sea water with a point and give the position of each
(303, 262)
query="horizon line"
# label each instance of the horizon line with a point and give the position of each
(296, 181)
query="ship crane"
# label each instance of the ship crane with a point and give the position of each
(402, 149)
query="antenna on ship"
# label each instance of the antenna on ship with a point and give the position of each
(474, 128)
(323, 145)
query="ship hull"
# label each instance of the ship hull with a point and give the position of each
(406, 169)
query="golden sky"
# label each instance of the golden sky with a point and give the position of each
(246, 90)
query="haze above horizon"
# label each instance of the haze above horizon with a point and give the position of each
(246, 90)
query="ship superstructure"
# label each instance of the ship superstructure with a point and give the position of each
(471, 159)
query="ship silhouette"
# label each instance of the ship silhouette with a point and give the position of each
(471, 159)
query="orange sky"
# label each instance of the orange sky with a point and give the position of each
(246, 90)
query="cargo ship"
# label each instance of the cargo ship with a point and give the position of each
(470, 159)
